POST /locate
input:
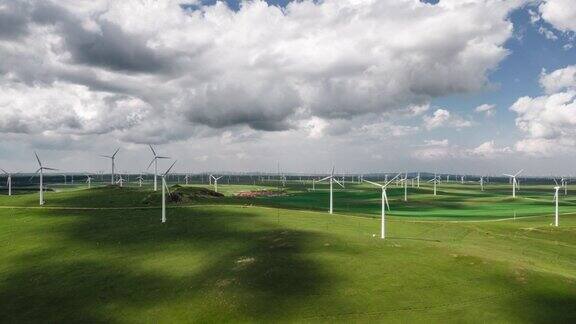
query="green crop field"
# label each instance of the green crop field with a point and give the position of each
(102, 255)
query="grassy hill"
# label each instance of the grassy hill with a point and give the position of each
(284, 258)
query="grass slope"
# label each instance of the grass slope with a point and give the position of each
(213, 261)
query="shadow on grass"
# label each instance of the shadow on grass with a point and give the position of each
(93, 273)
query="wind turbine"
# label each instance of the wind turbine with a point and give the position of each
(186, 177)
(41, 170)
(140, 179)
(120, 181)
(164, 189)
(89, 181)
(556, 198)
(435, 181)
(332, 179)
(405, 186)
(215, 182)
(155, 161)
(564, 184)
(8, 181)
(384, 204)
(113, 159)
(481, 183)
(514, 182)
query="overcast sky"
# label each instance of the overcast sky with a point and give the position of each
(463, 86)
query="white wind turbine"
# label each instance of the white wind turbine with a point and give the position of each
(155, 161)
(41, 170)
(89, 181)
(435, 180)
(140, 179)
(556, 198)
(215, 182)
(405, 180)
(481, 183)
(164, 189)
(564, 184)
(8, 181)
(514, 182)
(332, 179)
(113, 159)
(186, 178)
(120, 181)
(384, 204)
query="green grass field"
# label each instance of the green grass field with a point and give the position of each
(102, 255)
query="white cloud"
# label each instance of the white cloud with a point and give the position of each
(559, 80)
(443, 118)
(434, 150)
(489, 150)
(547, 33)
(560, 13)
(549, 122)
(486, 109)
(442, 143)
(263, 67)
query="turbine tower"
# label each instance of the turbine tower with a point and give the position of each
(332, 179)
(384, 204)
(435, 180)
(89, 181)
(556, 198)
(514, 182)
(8, 181)
(215, 181)
(164, 189)
(113, 159)
(155, 161)
(41, 171)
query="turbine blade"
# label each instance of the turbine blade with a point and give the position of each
(338, 182)
(4, 171)
(152, 149)
(519, 172)
(38, 159)
(389, 181)
(508, 175)
(323, 179)
(149, 165)
(116, 152)
(170, 168)
(373, 183)
(52, 169)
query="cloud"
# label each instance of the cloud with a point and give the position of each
(444, 118)
(486, 109)
(560, 13)
(440, 143)
(443, 149)
(547, 33)
(434, 150)
(559, 80)
(489, 150)
(133, 62)
(549, 121)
